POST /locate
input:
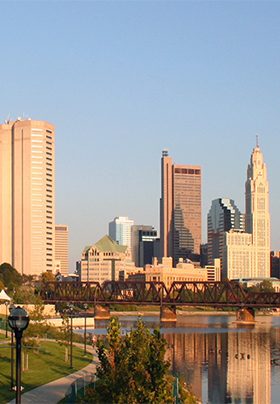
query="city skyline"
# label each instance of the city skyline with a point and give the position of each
(123, 80)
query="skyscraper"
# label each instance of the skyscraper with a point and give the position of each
(120, 230)
(248, 254)
(142, 244)
(180, 209)
(61, 248)
(27, 195)
(223, 216)
(257, 217)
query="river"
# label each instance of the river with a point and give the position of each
(220, 361)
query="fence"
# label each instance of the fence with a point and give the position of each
(78, 387)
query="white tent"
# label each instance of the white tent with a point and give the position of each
(4, 296)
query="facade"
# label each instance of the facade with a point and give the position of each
(104, 260)
(248, 254)
(120, 230)
(27, 195)
(214, 271)
(180, 209)
(237, 255)
(222, 217)
(257, 218)
(61, 249)
(142, 244)
(165, 272)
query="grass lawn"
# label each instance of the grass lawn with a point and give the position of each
(44, 366)
(3, 337)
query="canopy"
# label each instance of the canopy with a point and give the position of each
(4, 296)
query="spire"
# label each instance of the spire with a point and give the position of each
(257, 140)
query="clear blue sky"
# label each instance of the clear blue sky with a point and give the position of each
(123, 80)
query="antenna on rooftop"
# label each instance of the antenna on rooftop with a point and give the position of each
(257, 140)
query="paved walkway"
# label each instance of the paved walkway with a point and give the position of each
(53, 392)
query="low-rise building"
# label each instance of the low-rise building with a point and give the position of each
(104, 260)
(185, 271)
(249, 282)
(214, 271)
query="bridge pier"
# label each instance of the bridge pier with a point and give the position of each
(168, 314)
(245, 315)
(101, 312)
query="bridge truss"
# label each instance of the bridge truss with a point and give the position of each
(212, 294)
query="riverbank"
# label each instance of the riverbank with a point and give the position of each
(178, 312)
(141, 313)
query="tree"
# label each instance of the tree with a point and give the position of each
(47, 276)
(38, 326)
(265, 286)
(10, 276)
(65, 334)
(132, 370)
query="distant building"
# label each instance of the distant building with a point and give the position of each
(222, 217)
(27, 189)
(180, 209)
(275, 264)
(164, 272)
(204, 254)
(120, 230)
(61, 248)
(249, 282)
(257, 217)
(142, 244)
(104, 260)
(248, 254)
(214, 271)
(237, 255)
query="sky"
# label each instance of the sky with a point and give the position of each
(122, 80)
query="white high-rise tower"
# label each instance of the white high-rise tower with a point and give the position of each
(120, 230)
(257, 219)
(247, 255)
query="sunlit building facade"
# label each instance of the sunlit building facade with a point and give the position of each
(61, 248)
(248, 254)
(180, 209)
(27, 195)
(120, 230)
(104, 260)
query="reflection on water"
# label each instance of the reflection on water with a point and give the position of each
(223, 362)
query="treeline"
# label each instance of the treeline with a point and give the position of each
(22, 288)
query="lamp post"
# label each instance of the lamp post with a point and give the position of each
(11, 308)
(6, 304)
(18, 321)
(71, 308)
(85, 340)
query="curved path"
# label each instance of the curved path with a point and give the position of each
(53, 392)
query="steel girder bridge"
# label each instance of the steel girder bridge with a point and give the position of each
(212, 294)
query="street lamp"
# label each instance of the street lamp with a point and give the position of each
(85, 339)
(71, 308)
(18, 321)
(6, 304)
(11, 308)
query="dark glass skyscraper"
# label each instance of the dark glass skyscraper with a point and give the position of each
(222, 217)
